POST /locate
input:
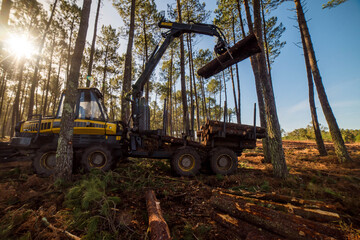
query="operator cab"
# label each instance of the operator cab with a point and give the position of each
(89, 106)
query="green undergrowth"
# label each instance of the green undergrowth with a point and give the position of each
(98, 199)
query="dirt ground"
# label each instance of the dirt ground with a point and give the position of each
(78, 207)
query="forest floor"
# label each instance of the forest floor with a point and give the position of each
(112, 205)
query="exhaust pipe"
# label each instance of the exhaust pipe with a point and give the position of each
(240, 51)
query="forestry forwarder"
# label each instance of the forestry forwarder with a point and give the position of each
(99, 143)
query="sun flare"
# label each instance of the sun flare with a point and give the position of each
(20, 46)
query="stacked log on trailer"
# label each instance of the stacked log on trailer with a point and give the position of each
(228, 134)
(249, 217)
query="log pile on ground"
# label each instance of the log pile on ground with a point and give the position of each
(233, 131)
(249, 216)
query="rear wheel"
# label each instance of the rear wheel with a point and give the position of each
(44, 162)
(97, 157)
(186, 162)
(223, 161)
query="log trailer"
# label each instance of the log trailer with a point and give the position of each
(99, 143)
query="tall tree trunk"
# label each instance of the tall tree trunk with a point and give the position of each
(192, 117)
(259, 90)
(170, 120)
(234, 92)
(317, 131)
(64, 153)
(104, 72)
(45, 107)
(125, 108)
(57, 90)
(2, 92)
(194, 84)
(273, 126)
(15, 114)
(237, 104)
(6, 116)
(204, 106)
(68, 59)
(34, 81)
(5, 12)
(92, 49)
(186, 122)
(23, 100)
(4, 18)
(266, 42)
(146, 59)
(340, 148)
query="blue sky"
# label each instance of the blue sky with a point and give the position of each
(335, 34)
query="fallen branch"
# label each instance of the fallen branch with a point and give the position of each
(158, 227)
(284, 224)
(55, 229)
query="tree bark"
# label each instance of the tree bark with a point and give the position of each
(158, 227)
(340, 148)
(273, 126)
(259, 90)
(34, 81)
(64, 153)
(314, 118)
(186, 123)
(92, 49)
(125, 108)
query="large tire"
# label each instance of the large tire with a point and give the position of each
(223, 161)
(44, 162)
(186, 162)
(97, 157)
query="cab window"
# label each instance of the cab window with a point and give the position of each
(89, 107)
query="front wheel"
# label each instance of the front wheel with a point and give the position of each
(44, 162)
(97, 157)
(186, 162)
(223, 161)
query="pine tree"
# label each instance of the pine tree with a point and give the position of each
(340, 148)
(64, 153)
(34, 81)
(92, 50)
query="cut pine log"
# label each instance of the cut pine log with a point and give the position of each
(240, 51)
(312, 214)
(284, 224)
(159, 229)
(243, 229)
